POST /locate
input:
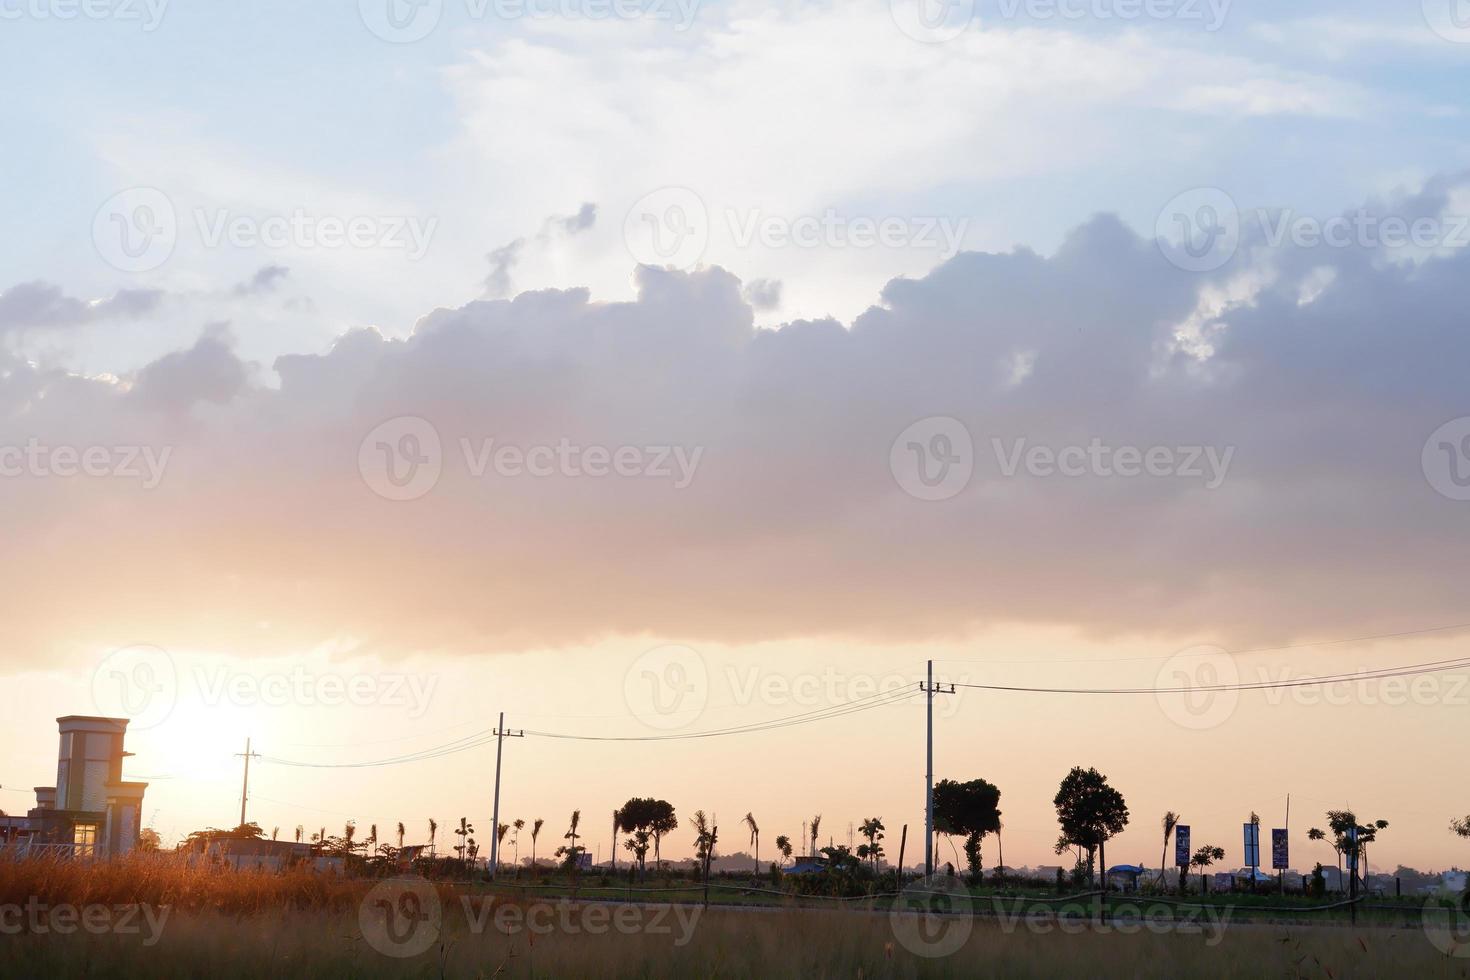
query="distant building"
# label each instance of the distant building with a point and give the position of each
(91, 811)
(248, 854)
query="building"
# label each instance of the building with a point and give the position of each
(91, 811)
(250, 854)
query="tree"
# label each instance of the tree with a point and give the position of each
(463, 832)
(1349, 838)
(515, 842)
(570, 852)
(816, 822)
(370, 846)
(872, 829)
(500, 832)
(969, 810)
(299, 831)
(1204, 857)
(656, 817)
(433, 829)
(664, 822)
(535, 832)
(783, 845)
(755, 839)
(1090, 811)
(1169, 822)
(148, 839)
(637, 845)
(1460, 827)
(704, 841)
(401, 831)
(614, 852)
(275, 832)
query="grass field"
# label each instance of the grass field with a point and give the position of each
(227, 924)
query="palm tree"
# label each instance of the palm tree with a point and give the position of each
(433, 830)
(500, 832)
(535, 832)
(816, 822)
(571, 835)
(371, 844)
(783, 845)
(1169, 822)
(872, 829)
(400, 835)
(755, 838)
(275, 833)
(299, 831)
(515, 841)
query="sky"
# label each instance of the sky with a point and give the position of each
(649, 368)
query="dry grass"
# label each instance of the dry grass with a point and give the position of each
(224, 924)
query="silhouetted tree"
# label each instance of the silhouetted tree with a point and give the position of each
(1090, 811)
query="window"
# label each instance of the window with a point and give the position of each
(84, 836)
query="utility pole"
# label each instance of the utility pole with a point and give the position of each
(500, 734)
(245, 789)
(929, 692)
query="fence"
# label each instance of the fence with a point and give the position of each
(26, 849)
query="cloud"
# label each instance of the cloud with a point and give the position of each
(265, 280)
(793, 522)
(763, 294)
(206, 372)
(497, 281)
(43, 305)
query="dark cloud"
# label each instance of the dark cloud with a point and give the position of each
(763, 294)
(266, 279)
(42, 305)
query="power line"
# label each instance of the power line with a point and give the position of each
(1234, 653)
(1431, 667)
(804, 718)
(484, 738)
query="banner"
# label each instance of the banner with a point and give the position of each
(1252, 845)
(1181, 845)
(1279, 859)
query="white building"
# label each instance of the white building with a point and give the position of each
(91, 810)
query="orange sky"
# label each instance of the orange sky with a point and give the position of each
(1248, 757)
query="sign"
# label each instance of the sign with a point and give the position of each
(1253, 845)
(1181, 845)
(1279, 859)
